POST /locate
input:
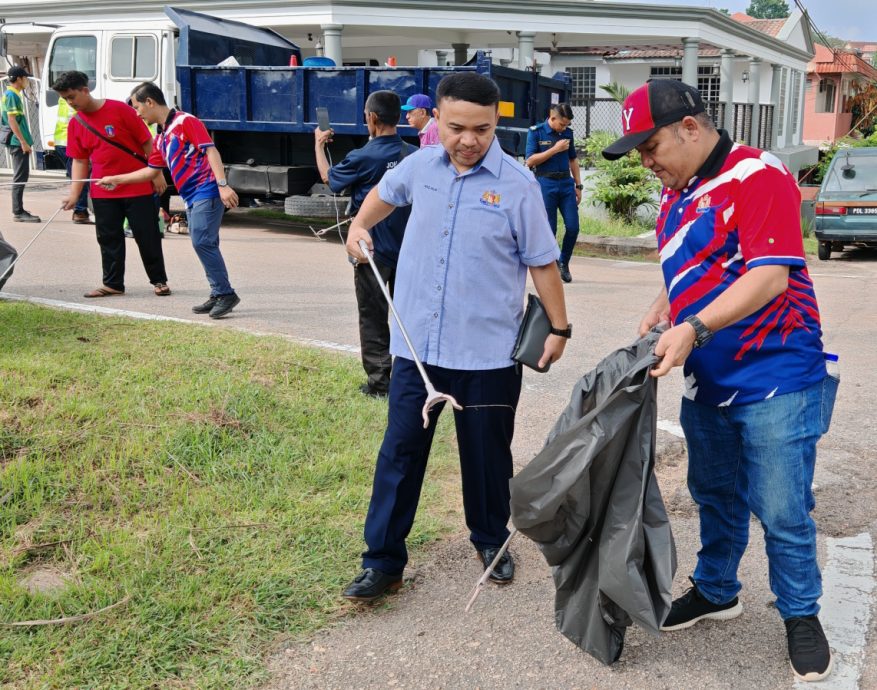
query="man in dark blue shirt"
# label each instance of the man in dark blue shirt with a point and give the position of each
(551, 154)
(361, 170)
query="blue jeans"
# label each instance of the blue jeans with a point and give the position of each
(760, 458)
(205, 217)
(82, 201)
(561, 195)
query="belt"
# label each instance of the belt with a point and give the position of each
(554, 175)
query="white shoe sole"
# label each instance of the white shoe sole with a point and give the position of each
(813, 676)
(725, 615)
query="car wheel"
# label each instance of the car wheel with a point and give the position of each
(824, 251)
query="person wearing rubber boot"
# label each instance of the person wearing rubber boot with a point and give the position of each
(20, 141)
(745, 327)
(551, 154)
(477, 227)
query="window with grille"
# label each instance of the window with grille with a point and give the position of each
(781, 118)
(584, 84)
(708, 80)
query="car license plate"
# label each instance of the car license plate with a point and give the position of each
(863, 211)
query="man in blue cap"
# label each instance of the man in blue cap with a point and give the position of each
(418, 112)
(551, 154)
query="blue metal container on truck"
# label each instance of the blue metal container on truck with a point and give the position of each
(262, 111)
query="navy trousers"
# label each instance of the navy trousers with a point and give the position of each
(560, 195)
(485, 428)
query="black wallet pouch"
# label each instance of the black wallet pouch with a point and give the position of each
(535, 328)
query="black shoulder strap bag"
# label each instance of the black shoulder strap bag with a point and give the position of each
(139, 156)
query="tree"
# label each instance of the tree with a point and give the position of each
(768, 9)
(617, 90)
(621, 185)
(863, 106)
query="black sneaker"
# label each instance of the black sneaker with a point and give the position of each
(692, 607)
(809, 653)
(565, 275)
(206, 307)
(224, 304)
(25, 217)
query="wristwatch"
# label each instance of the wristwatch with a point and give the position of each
(580, 186)
(702, 334)
(563, 332)
(222, 183)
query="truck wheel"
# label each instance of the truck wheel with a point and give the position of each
(824, 251)
(315, 206)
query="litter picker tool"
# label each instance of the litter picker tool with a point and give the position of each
(433, 397)
(9, 268)
(486, 576)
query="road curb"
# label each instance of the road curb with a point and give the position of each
(622, 246)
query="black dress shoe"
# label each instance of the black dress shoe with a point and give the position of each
(504, 572)
(565, 275)
(366, 389)
(370, 584)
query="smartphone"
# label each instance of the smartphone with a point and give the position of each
(323, 118)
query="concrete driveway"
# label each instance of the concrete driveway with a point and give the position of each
(297, 286)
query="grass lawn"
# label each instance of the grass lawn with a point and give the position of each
(219, 480)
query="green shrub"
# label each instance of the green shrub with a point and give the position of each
(623, 185)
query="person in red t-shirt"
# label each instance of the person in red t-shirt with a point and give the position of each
(115, 140)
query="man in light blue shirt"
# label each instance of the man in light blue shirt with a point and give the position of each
(477, 226)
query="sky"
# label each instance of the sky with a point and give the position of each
(847, 19)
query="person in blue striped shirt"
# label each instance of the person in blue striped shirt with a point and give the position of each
(477, 228)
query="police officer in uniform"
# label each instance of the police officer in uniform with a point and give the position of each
(551, 154)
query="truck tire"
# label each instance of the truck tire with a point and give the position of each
(315, 206)
(824, 251)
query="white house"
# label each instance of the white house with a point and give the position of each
(753, 79)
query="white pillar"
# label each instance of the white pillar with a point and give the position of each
(755, 98)
(332, 42)
(775, 76)
(689, 61)
(726, 89)
(799, 129)
(525, 49)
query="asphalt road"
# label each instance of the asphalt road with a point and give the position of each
(294, 285)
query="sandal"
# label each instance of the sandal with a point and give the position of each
(162, 290)
(103, 291)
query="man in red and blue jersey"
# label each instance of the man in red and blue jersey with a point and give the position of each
(744, 324)
(185, 148)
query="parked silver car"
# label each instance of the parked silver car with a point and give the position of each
(846, 206)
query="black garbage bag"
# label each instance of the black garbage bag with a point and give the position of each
(591, 502)
(8, 255)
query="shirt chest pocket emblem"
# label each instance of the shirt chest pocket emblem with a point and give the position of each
(491, 199)
(704, 204)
